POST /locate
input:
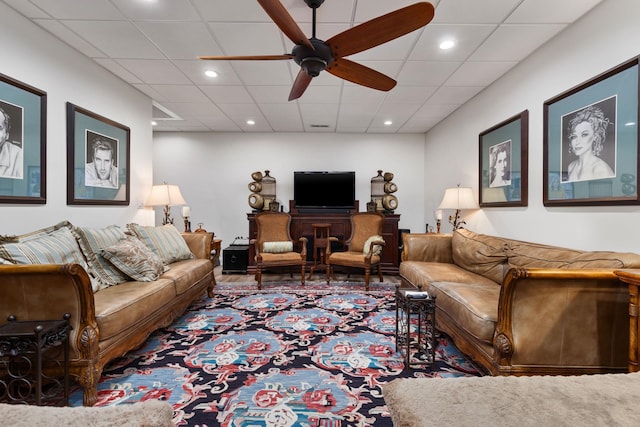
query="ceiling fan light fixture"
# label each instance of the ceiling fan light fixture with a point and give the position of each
(313, 65)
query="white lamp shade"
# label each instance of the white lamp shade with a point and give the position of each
(165, 195)
(458, 198)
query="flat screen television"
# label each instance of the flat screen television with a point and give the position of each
(324, 190)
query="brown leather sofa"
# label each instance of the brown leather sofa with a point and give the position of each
(108, 323)
(524, 308)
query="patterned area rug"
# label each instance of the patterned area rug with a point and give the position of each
(283, 356)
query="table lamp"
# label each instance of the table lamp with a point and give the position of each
(458, 198)
(166, 195)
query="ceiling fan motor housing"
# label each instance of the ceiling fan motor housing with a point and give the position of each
(313, 61)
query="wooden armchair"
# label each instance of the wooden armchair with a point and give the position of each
(274, 246)
(363, 248)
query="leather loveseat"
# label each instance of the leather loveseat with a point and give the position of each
(111, 312)
(524, 308)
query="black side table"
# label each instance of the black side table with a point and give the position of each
(23, 348)
(415, 327)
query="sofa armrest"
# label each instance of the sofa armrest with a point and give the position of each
(429, 247)
(47, 292)
(555, 319)
(199, 244)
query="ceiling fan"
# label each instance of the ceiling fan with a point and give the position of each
(315, 55)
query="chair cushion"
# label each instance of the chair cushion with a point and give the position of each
(277, 247)
(351, 258)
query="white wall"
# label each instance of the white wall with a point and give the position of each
(36, 58)
(606, 37)
(214, 169)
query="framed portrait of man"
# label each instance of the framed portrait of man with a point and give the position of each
(97, 159)
(101, 168)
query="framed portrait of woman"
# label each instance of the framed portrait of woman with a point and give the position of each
(503, 179)
(591, 141)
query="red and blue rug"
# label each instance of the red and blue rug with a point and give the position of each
(283, 356)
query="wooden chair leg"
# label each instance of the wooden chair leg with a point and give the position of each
(380, 273)
(328, 274)
(367, 275)
(302, 274)
(259, 277)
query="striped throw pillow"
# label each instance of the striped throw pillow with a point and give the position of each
(92, 241)
(164, 241)
(135, 259)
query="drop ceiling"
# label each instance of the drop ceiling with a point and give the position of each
(153, 45)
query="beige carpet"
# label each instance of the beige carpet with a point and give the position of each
(150, 413)
(549, 401)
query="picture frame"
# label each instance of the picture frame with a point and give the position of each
(590, 141)
(504, 160)
(23, 140)
(98, 159)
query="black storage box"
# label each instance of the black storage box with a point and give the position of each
(235, 259)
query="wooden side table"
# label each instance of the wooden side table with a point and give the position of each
(321, 233)
(632, 278)
(23, 345)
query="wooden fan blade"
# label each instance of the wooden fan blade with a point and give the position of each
(300, 85)
(247, 58)
(359, 74)
(285, 22)
(381, 29)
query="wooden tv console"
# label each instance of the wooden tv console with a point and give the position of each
(301, 225)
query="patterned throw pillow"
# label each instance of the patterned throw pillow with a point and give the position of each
(92, 241)
(164, 241)
(51, 245)
(135, 259)
(377, 249)
(277, 247)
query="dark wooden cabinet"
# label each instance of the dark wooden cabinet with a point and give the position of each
(301, 226)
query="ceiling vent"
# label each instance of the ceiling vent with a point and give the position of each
(160, 113)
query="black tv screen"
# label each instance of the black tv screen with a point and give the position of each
(315, 190)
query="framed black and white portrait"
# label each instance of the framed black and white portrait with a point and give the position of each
(503, 178)
(97, 159)
(22, 142)
(590, 141)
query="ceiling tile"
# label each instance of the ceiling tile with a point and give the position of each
(65, 34)
(248, 38)
(195, 69)
(466, 37)
(180, 93)
(539, 11)
(457, 95)
(154, 71)
(474, 12)
(283, 117)
(181, 40)
(515, 42)
(479, 73)
(79, 9)
(426, 73)
(225, 11)
(228, 94)
(119, 70)
(172, 10)
(116, 39)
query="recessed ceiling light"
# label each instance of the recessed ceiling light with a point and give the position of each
(211, 73)
(154, 123)
(388, 122)
(251, 122)
(447, 44)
